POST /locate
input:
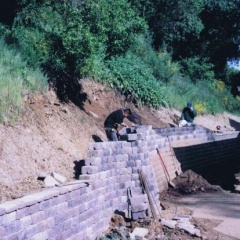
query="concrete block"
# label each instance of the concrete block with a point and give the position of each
(138, 232)
(31, 230)
(119, 158)
(127, 150)
(135, 177)
(59, 218)
(119, 151)
(49, 193)
(138, 215)
(139, 207)
(2, 211)
(189, 228)
(97, 153)
(58, 177)
(8, 218)
(25, 222)
(129, 184)
(12, 228)
(107, 152)
(31, 199)
(133, 137)
(89, 169)
(8, 207)
(104, 175)
(143, 149)
(72, 195)
(22, 213)
(38, 217)
(138, 163)
(126, 144)
(136, 200)
(169, 223)
(42, 235)
(15, 236)
(134, 150)
(131, 163)
(50, 182)
(34, 208)
(133, 157)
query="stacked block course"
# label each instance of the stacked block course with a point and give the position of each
(109, 184)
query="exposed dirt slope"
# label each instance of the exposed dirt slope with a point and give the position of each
(51, 136)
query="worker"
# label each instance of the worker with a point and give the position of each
(113, 121)
(188, 115)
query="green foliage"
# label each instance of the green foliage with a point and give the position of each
(16, 80)
(103, 39)
(114, 22)
(198, 69)
(142, 71)
(66, 35)
(130, 73)
(160, 62)
(208, 97)
(171, 20)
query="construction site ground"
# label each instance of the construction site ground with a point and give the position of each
(53, 136)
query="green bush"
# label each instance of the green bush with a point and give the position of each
(198, 69)
(160, 62)
(131, 74)
(16, 80)
(65, 34)
(210, 96)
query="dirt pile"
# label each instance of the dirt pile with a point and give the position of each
(189, 182)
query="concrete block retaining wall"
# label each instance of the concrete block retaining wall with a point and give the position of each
(198, 157)
(83, 210)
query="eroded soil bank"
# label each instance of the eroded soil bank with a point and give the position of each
(52, 136)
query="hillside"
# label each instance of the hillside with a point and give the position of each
(52, 136)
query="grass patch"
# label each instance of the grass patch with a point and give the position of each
(16, 80)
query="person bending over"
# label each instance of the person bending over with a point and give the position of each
(188, 115)
(113, 121)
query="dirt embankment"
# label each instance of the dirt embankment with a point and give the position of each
(51, 136)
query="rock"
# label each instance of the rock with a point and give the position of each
(50, 181)
(189, 228)
(58, 177)
(138, 232)
(169, 223)
(197, 233)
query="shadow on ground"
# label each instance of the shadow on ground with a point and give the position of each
(78, 168)
(67, 87)
(96, 138)
(234, 124)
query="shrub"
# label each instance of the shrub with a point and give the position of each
(160, 62)
(198, 69)
(130, 73)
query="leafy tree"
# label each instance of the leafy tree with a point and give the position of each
(198, 69)
(66, 34)
(220, 38)
(202, 29)
(172, 20)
